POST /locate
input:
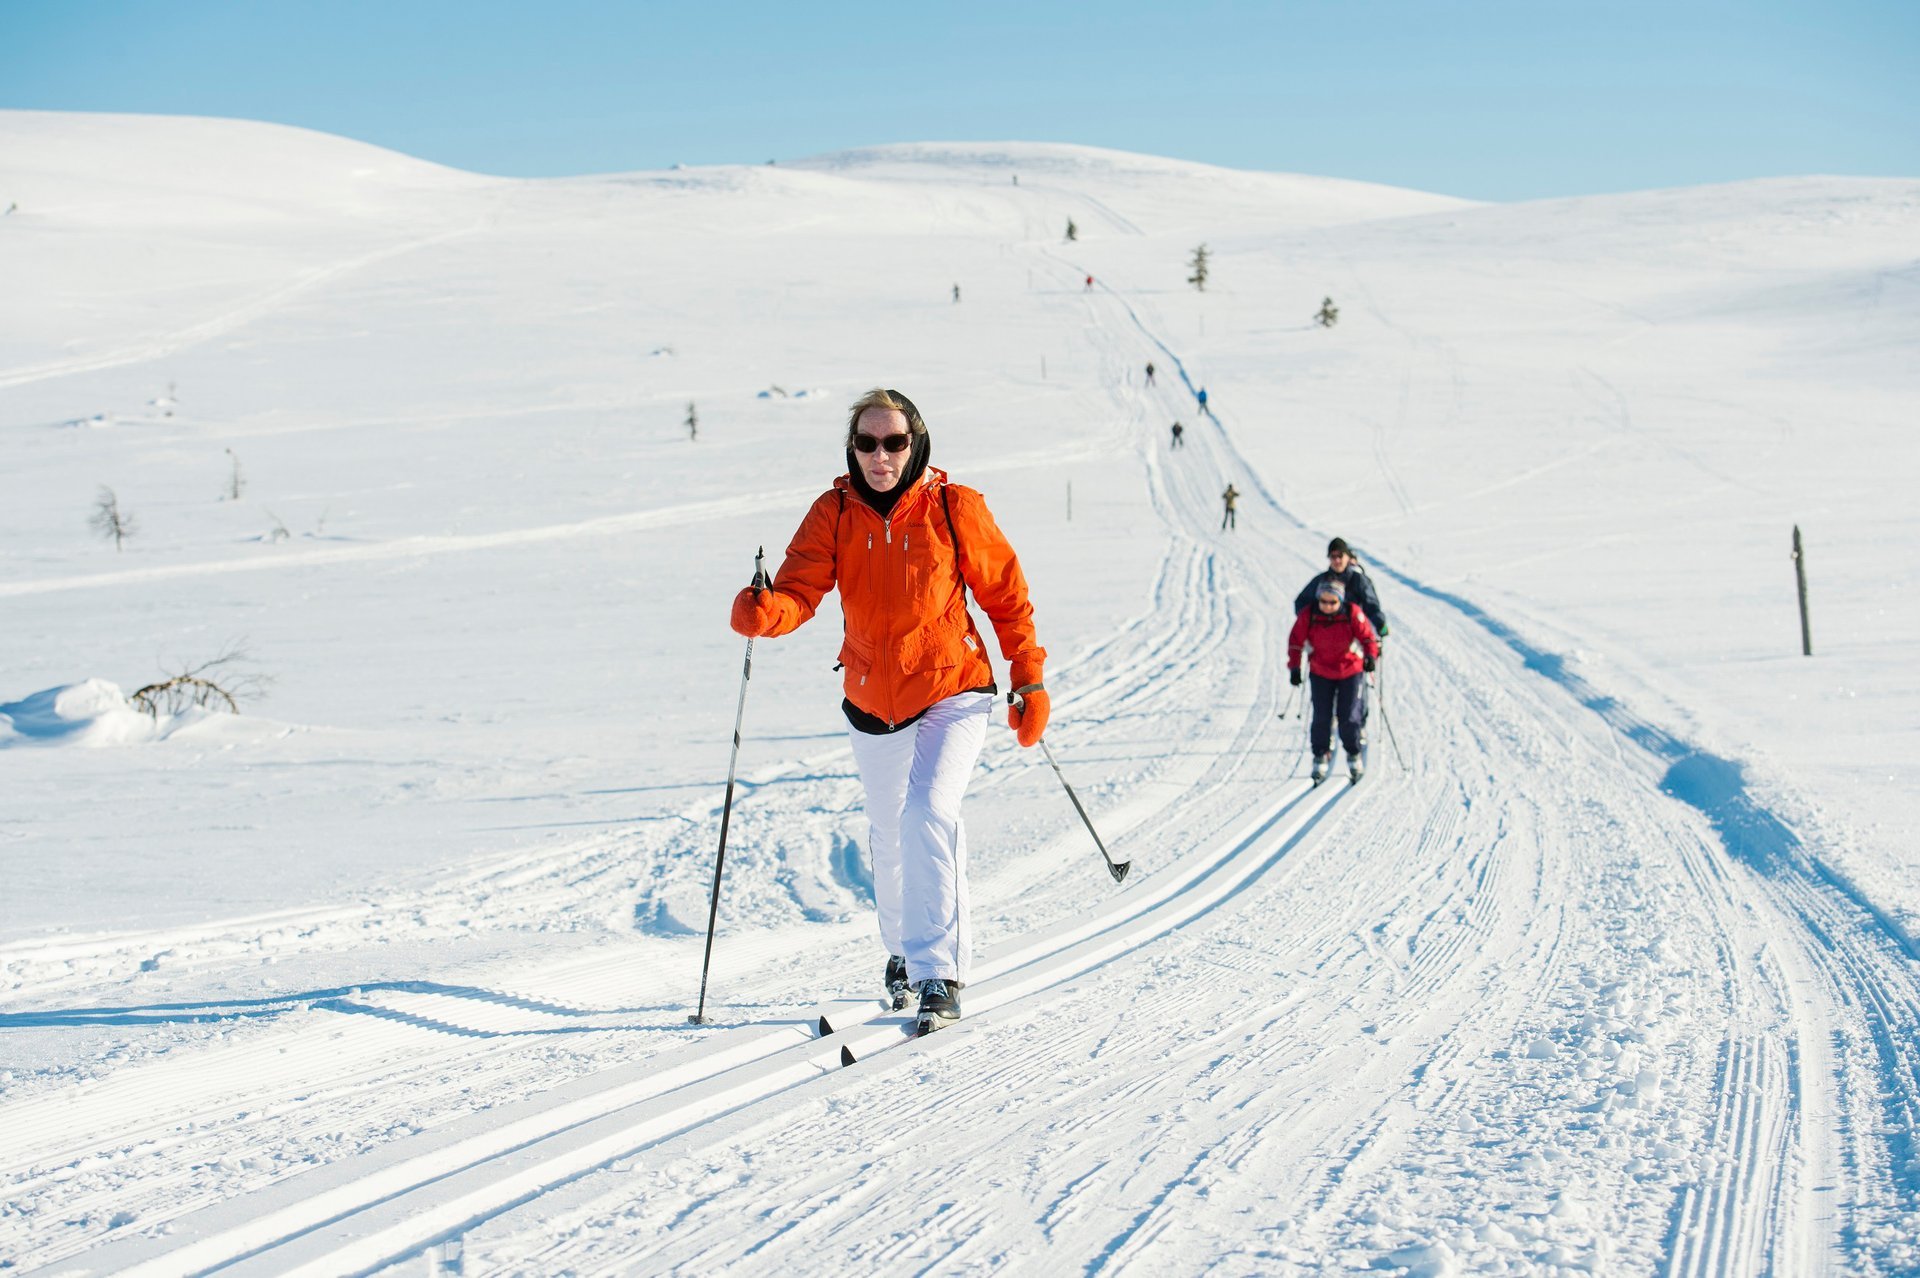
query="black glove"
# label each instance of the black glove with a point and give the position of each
(1293, 676)
(1366, 664)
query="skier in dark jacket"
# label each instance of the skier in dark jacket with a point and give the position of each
(1345, 569)
(1329, 632)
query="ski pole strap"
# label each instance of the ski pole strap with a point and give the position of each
(1021, 692)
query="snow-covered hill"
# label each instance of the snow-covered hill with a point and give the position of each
(1616, 969)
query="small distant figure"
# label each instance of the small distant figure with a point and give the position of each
(1016, 179)
(956, 292)
(1329, 313)
(1089, 284)
(1073, 232)
(693, 422)
(1227, 520)
(1178, 431)
(1149, 372)
(1203, 402)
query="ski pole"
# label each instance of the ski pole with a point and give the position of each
(1118, 871)
(1380, 681)
(699, 1016)
(1293, 695)
(1306, 734)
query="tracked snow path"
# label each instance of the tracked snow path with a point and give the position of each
(1515, 1007)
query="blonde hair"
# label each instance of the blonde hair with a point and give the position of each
(880, 397)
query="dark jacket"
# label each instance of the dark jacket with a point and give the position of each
(1359, 591)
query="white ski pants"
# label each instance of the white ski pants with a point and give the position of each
(915, 779)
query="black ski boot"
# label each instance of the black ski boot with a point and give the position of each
(896, 981)
(939, 1005)
(1356, 768)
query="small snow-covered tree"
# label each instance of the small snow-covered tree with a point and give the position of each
(1073, 232)
(1199, 265)
(1329, 314)
(111, 522)
(236, 482)
(693, 421)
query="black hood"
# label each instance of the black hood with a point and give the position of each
(917, 457)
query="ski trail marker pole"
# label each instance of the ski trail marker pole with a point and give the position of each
(699, 1016)
(1117, 870)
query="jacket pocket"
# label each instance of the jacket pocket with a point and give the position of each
(856, 655)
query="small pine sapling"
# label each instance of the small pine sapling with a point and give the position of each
(1199, 265)
(1329, 314)
(693, 421)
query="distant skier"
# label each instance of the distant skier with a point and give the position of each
(904, 546)
(1178, 431)
(1344, 567)
(1203, 402)
(1228, 498)
(1149, 372)
(956, 292)
(1329, 632)
(1089, 287)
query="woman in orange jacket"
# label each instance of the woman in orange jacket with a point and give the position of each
(904, 546)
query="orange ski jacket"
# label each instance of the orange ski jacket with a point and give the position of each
(910, 640)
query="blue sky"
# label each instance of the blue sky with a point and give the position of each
(1493, 100)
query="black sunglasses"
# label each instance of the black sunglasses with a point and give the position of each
(892, 443)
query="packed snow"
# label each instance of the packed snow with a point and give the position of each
(1611, 964)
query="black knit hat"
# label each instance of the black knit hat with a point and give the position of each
(921, 452)
(1338, 546)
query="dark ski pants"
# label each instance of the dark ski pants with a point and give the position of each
(1227, 521)
(1345, 698)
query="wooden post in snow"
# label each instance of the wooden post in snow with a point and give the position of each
(1800, 573)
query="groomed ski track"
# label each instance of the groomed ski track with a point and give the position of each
(1518, 1005)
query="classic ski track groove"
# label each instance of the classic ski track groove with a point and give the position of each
(1180, 608)
(1797, 1101)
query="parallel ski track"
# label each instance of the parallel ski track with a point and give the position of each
(320, 1222)
(1797, 1102)
(1763, 1155)
(1180, 632)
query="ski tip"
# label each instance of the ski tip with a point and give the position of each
(846, 1056)
(1120, 871)
(825, 1027)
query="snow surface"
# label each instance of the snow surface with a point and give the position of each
(1617, 973)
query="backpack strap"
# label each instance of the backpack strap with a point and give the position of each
(953, 535)
(973, 631)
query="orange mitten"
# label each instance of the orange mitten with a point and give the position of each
(753, 612)
(1028, 715)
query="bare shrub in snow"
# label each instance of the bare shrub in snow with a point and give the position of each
(219, 684)
(111, 522)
